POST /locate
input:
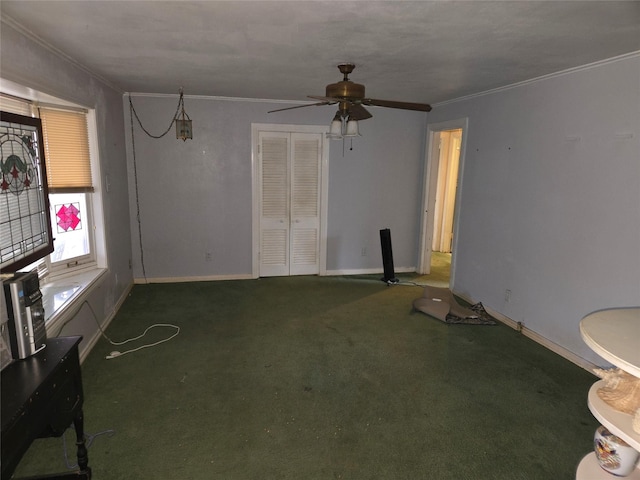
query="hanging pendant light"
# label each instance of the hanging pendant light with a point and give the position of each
(183, 122)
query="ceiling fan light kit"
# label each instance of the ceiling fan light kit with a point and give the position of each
(342, 126)
(335, 129)
(352, 129)
(350, 98)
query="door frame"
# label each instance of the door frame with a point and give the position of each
(447, 184)
(429, 191)
(256, 192)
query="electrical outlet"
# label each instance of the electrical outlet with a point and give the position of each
(507, 295)
(363, 252)
(208, 256)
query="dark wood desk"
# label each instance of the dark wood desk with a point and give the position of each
(42, 396)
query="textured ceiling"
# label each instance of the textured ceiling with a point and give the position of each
(422, 51)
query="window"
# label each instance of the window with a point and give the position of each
(25, 233)
(67, 156)
(72, 200)
(66, 146)
(70, 230)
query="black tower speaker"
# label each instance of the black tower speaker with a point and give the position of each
(387, 256)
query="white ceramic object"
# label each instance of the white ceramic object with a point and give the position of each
(614, 454)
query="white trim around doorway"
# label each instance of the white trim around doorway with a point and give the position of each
(432, 155)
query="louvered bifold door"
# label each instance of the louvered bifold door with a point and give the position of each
(290, 170)
(275, 215)
(305, 203)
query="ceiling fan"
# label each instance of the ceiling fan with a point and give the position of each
(351, 99)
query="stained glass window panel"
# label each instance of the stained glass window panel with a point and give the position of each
(68, 217)
(25, 234)
(71, 237)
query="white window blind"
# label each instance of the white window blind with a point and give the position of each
(12, 104)
(66, 144)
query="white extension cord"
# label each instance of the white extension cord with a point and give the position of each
(116, 353)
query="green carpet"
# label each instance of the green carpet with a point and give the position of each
(322, 378)
(440, 270)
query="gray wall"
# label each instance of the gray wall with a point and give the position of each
(377, 185)
(550, 205)
(549, 202)
(195, 196)
(28, 63)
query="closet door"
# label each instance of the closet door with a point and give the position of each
(274, 214)
(305, 203)
(290, 203)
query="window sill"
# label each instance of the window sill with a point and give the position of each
(63, 297)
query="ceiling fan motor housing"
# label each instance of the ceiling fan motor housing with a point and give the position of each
(345, 89)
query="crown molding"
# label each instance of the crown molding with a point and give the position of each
(561, 73)
(219, 98)
(17, 26)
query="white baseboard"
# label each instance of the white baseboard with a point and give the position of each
(367, 271)
(208, 278)
(536, 337)
(248, 276)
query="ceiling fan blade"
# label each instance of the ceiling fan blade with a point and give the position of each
(358, 112)
(421, 107)
(300, 106)
(329, 100)
(352, 106)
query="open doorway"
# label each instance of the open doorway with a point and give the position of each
(445, 155)
(447, 183)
